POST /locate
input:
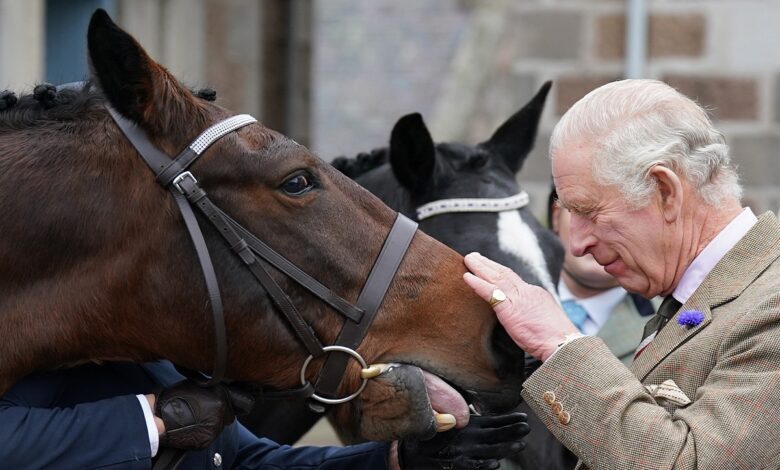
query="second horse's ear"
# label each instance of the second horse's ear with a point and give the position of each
(412, 152)
(136, 86)
(515, 138)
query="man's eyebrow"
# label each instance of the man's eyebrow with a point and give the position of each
(560, 203)
(576, 207)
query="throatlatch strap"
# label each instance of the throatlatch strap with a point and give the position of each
(157, 161)
(212, 286)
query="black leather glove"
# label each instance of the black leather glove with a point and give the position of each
(480, 445)
(195, 415)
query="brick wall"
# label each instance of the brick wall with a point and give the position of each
(468, 64)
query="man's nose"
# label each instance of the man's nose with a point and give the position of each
(580, 235)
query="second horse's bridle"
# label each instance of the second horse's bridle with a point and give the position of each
(461, 205)
(174, 175)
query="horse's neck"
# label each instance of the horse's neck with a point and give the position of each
(71, 317)
(76, 250)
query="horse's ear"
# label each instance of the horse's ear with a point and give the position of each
(135, 85)
(412, 153)
(515, 138)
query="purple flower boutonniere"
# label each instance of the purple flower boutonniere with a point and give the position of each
(690, 318)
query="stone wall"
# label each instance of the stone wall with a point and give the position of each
(467, 65)
(21, 43)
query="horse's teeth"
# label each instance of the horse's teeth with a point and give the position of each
(374, 370)
(444, 421)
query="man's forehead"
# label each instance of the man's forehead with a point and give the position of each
(572, 177)
(570, 167)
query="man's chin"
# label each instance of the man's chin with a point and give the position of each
(639, 286)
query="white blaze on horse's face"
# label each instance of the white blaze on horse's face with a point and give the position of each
(516, 238)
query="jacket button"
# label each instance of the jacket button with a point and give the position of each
(564, 417)
(217, 459)
(549, 397)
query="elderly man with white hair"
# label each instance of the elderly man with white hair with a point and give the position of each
(655, 199)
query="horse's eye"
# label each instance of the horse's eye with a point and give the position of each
(478, 161)
(297, 185)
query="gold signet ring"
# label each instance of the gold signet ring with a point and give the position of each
(496, 297)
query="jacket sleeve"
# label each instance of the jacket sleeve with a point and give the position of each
(254, 453)
(105, 434)
(615, 423)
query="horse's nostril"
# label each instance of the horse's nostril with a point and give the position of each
(509, 358)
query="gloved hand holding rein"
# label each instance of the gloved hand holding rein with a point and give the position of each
(195, 415)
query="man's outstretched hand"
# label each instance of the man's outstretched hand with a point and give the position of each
(480, 445)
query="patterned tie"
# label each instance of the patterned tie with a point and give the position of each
(576, 313)
(665, 312)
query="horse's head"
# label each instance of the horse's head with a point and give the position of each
(413, 172)
(148, 293)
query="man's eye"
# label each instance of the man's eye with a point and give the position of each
(585, 213)
(297, 185)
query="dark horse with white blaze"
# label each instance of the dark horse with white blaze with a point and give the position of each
(467, 197)
(98, 265)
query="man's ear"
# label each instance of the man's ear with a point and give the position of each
(669, 190)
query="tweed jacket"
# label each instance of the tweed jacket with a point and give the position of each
(728, 366)
(623, 329)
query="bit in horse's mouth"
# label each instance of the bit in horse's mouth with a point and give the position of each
(448, 402)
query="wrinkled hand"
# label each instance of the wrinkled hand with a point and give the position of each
(195, 415)
(530, 315)
(480, 445)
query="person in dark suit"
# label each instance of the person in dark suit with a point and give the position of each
(103, 416)
(592, 298)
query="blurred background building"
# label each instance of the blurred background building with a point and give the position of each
(337, 74)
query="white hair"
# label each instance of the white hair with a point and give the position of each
(633, 125)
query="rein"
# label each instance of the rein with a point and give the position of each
(173, 174)
(450, 206)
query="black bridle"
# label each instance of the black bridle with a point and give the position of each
(174, 175)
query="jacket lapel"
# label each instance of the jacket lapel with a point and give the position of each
(733, 273)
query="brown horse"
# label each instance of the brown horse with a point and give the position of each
(97, 264)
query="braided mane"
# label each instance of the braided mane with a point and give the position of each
(362, 163)
(47, 103)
